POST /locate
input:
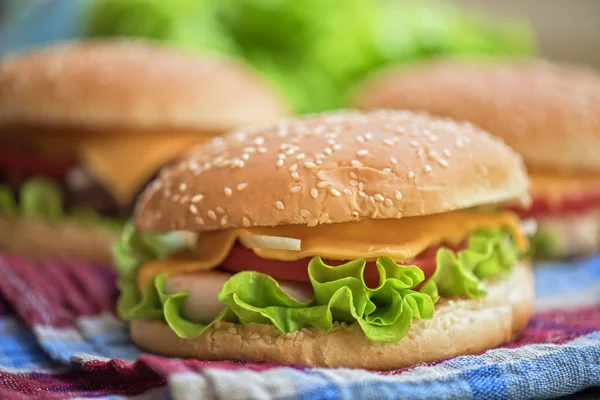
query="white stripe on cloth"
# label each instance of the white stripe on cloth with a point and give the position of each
(99, 324)
(227, 384)
(583, 297)
(152, 394)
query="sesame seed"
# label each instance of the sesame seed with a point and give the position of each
(293, 167)
(337, 146)
(279, 341)
(279, 163)
(295, 175)
(241, 186)
(284, 146)
(300, 156)
(305, 213)
(353, 183)
(394, 161)
(335, 192)
(446, 152)
(459, 143)
(220, 210)
(193, 209)
(313, 222)
(279, 205)
(280, 155)
(362, 152)
(197, 198)
(372, 199)
(353, 175)
(323, 184)
(289, 152)
(427, 168)
(245, 222)
(356, 163)
(361, 193)
(361, 185)
(378, 197)
(314, 193)
(387, 170)
(309, 164)
(320, 156)
(295, 189)
(411, 175)
(182, 187)
(443, 162)
(175, 197)
(224, 220)
(199, 220)
(398, 195)
(414, 143)
(254, 336)
(262, 149)
(348, 192)
(368, 136)
(360, 139)
(432, 153)
(420, 152)
(232, 330)
(185, 199)
(355, 214)
(249, 149)
(374, 215)
(298, 218)
(211, 214)
(259, 141)
(245, 156)
(227, 191)
(328, 150)
(330, 142)
(388, 202)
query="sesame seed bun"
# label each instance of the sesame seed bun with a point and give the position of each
(549, 113)
(332, 168)
(459, 326)
(135, 85)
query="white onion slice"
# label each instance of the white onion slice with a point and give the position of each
(270, 242)
(529, 227)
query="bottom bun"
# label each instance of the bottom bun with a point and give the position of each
(460, 326)
(37, 238)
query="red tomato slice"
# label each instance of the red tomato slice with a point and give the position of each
(22, 162)
(571, 204)
(243, 259)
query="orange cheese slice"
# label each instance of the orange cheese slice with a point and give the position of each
(124, 164)
(400, 239)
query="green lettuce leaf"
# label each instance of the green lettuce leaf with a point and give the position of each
(42, 198)
(384, 313)
(543, 245)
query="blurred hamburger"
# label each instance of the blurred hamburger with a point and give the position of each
(97, 120)
(338, 240)
(549, 113)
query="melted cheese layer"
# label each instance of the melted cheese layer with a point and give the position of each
(121, 161)
(400, 239)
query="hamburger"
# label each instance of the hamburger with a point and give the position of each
(336, 240)
(547, 112)
(85, 125)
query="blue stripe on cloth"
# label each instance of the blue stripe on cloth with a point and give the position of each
(555, 277)
(19, 351)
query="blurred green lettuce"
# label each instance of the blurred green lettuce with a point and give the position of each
(314, 50)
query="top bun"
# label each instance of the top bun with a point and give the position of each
(133, 85)
(548, 113)
(335, 167)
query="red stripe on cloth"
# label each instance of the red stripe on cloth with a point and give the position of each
(56, 293)
(77, 384)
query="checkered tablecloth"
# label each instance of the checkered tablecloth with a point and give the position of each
(59, 338)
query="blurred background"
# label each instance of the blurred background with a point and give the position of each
(315, 50)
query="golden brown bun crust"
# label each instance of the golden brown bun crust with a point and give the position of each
(548, 113)
(127, 84)
(376, 165)
(36, 238)
(460, 326)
